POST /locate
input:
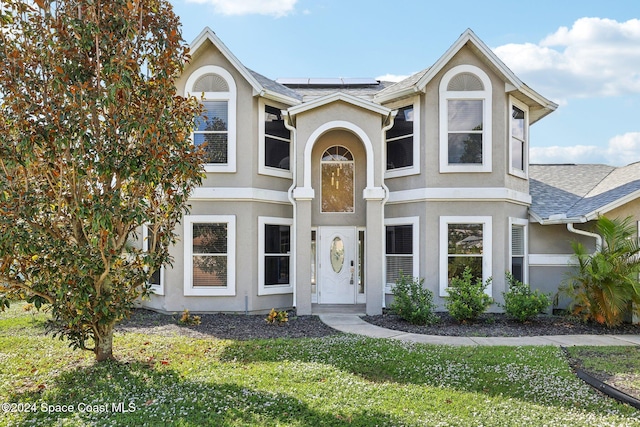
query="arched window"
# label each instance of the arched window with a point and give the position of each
(338, 180)
(465, 120)
(216, 127)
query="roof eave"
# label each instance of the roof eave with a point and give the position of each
(402, 93)
(208, 34)
(278, 97)
(339, 96)
(613, 205)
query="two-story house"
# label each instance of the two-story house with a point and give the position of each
(322, 191)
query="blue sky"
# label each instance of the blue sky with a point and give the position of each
(583, 55)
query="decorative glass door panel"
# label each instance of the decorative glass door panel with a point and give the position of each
(337, 265)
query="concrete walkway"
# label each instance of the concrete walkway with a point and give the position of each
(353, 324)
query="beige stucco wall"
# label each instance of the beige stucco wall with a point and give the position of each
(368, 121)
(429, 247)
(556, 239)
(631, 209)
(246, 248)
(430, 175)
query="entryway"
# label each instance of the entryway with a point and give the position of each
(337, 263)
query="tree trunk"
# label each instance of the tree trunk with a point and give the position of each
(104, 345)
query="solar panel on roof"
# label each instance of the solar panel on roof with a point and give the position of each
(357, 81)
(325, 82)
(293, 81)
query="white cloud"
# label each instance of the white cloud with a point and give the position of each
(621, 150)
(595, 57)
(391, 78)
(277, 8)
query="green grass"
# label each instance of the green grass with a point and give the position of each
(618, 366)
(331, 381)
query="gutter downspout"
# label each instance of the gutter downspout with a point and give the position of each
(390, 121)
(586, 233)
(294, 164)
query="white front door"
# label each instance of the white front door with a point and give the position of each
(337, 262)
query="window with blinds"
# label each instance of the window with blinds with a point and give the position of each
(213, 130)
(209, 252)
(517, 252)
(399, 252)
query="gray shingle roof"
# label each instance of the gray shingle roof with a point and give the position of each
(274, 86)
(406, 83)
(367, 92)
(579, 190)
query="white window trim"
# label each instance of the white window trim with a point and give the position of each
(414, 221)
(485, 96)
(525, 262)
(262, 168)
(415, 168)
(273, 289)
(157, 289)
(513, 171)
(230, 97)
(189, 289)
(487, 248)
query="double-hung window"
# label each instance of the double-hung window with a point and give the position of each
(402, 142)
(274, 258)
(518, 249)
(465, 120)
(215, 128)
(519, 146)
(209, 254)
(275, 146)
(465, 242)
(401, 248)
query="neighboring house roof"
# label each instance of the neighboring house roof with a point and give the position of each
(539, 105)
(578, 193)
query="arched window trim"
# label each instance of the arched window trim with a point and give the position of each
(483, 95)
(231, 98)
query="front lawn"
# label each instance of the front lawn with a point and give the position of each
(336, 380)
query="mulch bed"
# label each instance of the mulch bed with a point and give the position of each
(500, 325)
(245, 327)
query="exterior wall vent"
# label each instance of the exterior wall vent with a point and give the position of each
(210, 83)
(465, 82)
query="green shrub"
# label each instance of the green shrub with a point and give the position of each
(467, 300)
(520, 302)
(412, 302)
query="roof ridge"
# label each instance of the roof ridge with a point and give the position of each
(590, 190)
